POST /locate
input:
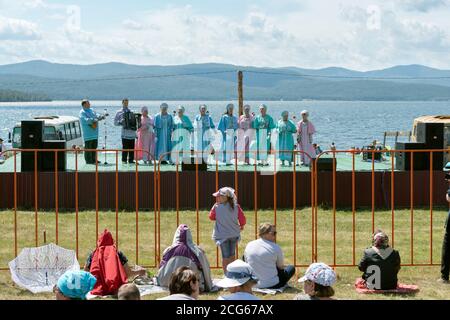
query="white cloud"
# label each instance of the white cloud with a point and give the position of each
(132, 24)
(423, 5)
(17, 29)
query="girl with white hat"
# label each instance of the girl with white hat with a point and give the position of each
(317, 282)
(239, 280)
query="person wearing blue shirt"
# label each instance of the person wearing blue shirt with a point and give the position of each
(203, 125)
(228, 125)
(163, 129)
(89, 125)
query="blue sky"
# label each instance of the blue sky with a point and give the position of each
(357, 34)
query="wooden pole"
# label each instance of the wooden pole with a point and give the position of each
(241, 92)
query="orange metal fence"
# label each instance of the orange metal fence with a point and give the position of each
(314, 202)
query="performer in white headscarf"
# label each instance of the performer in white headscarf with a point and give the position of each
(305, 131)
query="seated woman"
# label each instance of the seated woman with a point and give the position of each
(184, 285)
(183, 252)
(109, 266)
(317, 282)
(380, 264)
(74, 285)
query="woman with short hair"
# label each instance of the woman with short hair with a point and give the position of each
(184, 285)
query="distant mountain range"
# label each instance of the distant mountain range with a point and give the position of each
(206, 82)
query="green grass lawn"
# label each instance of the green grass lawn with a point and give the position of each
(425, 277)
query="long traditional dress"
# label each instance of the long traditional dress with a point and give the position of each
(245, 136)
(228, 126)
(305, 132)
(264, 126)
(163, 128)
(182, 135)
(202, 127)
(286, 131)
(145, 140)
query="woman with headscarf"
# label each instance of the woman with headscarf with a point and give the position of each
(263, 124)
(286, 130)
(203, 125)
(228, 125)
(182, 129)
(145, 147)
(245, 133)
(163, 128)
(305, 131)
(184, 252)
(380, 264)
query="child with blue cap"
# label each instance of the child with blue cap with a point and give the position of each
(74, 285)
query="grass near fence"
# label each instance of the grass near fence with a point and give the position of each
(425, 277)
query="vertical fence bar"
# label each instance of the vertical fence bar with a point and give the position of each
(36, 228)
(353, 210)
(96, 195)
(255, 191)
(197, 202)
(137, 211)
(411, 199)
(159, 211)
(155, 209)
(56, 199)
(294, 204)
(315, 207)
(431, 207)
(373, 192)
(117, 198)
(275, 189)
(392, 199)
(177, 192)
(76, 203)
(334, 208)
(217, 188)
(15, 204)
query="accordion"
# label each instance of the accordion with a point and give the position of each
(131, 121)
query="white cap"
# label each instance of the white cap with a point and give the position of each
(238, 273)
(226, 191)
(319, 273)
(305, 112)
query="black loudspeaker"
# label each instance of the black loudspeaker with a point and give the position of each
(191, 166)
(48, 157)
(326, 164)
(32, 133)
(432, 134)
(421, 160)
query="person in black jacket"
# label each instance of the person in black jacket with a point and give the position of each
(445, 263)
(380, 264)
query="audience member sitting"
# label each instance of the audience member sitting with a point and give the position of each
(380, 264)
(74, 285)
(109, 266)
(183, 252)
(317, 283)
(239, 280)
(184, 285)
(266, 259)
(129, 291)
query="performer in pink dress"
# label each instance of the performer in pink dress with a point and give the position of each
(305, 131)
(145, 138)
(245, 134)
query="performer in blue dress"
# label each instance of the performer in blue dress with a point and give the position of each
(228, 125)
(203, 132)
(181, 138)
(286, 130)
(163, 129)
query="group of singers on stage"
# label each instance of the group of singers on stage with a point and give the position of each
(174, 138)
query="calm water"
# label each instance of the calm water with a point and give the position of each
(347, 124)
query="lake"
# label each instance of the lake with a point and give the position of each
(347, 123)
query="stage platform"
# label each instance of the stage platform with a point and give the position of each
(344, 163)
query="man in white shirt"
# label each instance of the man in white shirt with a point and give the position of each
(267, 260)
(239, 280)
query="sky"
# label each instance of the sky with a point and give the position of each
(355, 34)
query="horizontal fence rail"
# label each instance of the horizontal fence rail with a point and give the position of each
(313, 221)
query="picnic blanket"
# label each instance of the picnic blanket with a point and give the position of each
(259, 290)
(361, 287)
